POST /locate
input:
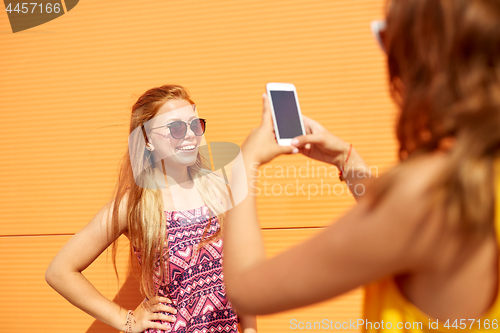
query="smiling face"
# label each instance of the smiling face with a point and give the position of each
(174, 152)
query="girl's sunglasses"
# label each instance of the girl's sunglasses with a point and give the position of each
(378, 30)
(178, 129)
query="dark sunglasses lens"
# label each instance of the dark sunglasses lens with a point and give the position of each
(198, 126)
(178, 129)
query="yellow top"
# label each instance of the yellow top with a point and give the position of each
(386, 309)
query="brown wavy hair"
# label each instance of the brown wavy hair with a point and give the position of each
(144, 206)
(443, 60)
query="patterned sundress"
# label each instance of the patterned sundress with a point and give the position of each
(195, 283)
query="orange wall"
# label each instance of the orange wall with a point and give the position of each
(66, 91)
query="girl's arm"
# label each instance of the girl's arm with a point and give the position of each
(363, 246)
(64, 274)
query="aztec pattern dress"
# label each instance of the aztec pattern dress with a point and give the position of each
(195, 283)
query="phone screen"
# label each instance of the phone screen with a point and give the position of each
(286, 113)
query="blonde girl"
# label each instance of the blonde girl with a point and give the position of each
(170, 206)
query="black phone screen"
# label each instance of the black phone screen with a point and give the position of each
(286, 113)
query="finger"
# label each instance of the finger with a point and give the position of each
(267, 118)
(307, 124)
(164, 327)
(305, 151)
(164, 308)
(310, 121)
(312, 126)
(303, 140)
(287, 150)
(162, 299)
(163, 317)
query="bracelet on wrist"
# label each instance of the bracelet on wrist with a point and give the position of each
(128, 322)
(342, 167)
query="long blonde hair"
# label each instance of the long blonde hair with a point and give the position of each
(144, 205)
(444, 72)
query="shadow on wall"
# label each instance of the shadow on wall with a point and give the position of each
(128, 297)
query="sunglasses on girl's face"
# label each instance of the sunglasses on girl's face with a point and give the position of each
(178, 129)
(378, 30)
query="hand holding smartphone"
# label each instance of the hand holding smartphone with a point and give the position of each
(285, 109)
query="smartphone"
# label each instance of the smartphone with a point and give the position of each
(285, 109)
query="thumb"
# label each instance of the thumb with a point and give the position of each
(302, 140)
(267, 118)
(287, 150)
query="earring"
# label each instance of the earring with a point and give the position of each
(150, 147)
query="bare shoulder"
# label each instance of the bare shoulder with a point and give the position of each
(424, 169)
(123, 213)
(105, 215)
(418, 175)
(408, 210)
(413, 180)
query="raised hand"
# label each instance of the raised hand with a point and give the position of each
(261, 146)
(320, 144)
